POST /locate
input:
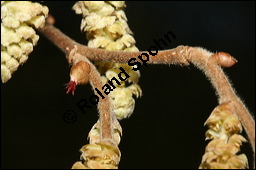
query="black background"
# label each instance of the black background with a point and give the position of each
(166, 129)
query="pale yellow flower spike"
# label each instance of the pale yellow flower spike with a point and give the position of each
(221, 152)
(18, 20)
(106, 26)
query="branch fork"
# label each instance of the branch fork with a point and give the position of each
(210, 63)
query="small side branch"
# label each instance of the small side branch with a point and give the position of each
(104, 105)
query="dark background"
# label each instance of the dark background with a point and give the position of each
(166, 129)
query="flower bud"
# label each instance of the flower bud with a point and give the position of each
(224, 59)
(79, 74)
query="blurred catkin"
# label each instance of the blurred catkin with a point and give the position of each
(18, 20)
(221, 151)
(106, 27)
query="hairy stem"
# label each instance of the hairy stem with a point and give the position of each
(66, 44)
(70, 48)
(201, 59)
(181, 55)
(104, 105)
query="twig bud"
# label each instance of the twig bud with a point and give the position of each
(224, 59)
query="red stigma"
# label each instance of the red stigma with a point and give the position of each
(71, 86)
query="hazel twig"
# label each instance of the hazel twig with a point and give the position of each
(182, 55)
(104, 105)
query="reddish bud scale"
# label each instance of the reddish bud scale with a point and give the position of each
(79, 74)
(224, 59)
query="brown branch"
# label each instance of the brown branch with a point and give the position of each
(181, 55)
(66, 44)
(202, 59)
(104, 105)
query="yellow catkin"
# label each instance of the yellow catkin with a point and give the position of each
(18, 20)
(106, 27)
(99, 154)
(221, 151)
